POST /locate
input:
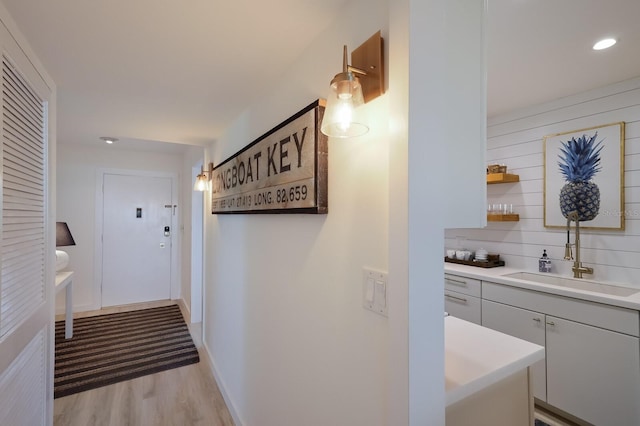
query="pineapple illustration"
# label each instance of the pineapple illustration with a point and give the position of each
(579, 162)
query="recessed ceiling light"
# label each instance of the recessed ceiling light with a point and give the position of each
(604, 43)
(108, 139)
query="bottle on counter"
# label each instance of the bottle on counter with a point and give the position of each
(544, 263)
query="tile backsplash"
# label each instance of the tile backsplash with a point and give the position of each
(516, 140)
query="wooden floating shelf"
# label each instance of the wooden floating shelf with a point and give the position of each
(502, 178)
(503, 217)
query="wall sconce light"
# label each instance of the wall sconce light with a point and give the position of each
(349, 91)
(202, 180)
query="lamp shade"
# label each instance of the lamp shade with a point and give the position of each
(63, 235)
(340, 115)
(202, 183)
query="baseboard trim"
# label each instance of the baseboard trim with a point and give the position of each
(221, 385)
(77, 308)
(184, 308)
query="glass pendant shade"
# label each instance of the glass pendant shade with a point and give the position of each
(202, 183)
(340, 115)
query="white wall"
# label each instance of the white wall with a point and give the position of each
(516, 139)
(398, 63)
(284, 322)
(76, 204)
(284, 326)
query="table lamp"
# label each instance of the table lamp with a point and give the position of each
(63, 238)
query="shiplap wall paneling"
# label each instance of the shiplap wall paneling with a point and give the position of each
(516, 139)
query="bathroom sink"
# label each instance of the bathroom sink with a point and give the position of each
(577, 284)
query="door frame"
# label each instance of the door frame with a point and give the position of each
(197, 252)
(176, 241)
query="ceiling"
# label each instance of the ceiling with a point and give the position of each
(151, 71)
(540, 50)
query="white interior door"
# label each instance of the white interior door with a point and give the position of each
(137, 234)
(26, 247)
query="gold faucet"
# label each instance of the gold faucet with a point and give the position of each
(577, 269)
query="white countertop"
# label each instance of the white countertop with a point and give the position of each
(477, 357)
(496, 275)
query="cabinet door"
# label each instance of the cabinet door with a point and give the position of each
(593, 373)
(462, 306)
(524, 324)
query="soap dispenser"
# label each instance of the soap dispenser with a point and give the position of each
(544, 263)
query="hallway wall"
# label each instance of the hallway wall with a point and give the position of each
(284, 323)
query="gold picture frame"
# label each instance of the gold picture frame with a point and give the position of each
(610, 179)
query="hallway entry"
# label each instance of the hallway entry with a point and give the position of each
(137, 234)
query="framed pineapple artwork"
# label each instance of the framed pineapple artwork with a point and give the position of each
(584, 173)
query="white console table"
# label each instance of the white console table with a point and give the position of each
(64, 281)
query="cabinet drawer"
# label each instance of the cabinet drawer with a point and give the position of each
(462, 306)
(462, 285)
(609, 317)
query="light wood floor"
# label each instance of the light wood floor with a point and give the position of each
(182, 396)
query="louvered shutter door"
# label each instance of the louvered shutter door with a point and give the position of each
(23, 200)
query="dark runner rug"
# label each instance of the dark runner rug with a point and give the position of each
(111, 348)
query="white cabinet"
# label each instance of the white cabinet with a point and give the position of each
(464, 68)
(593, 373)
(462, 298)
(592, 351)
(524, 324)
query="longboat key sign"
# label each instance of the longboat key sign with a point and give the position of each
(283, 171)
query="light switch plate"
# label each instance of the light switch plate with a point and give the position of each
(374, 291)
